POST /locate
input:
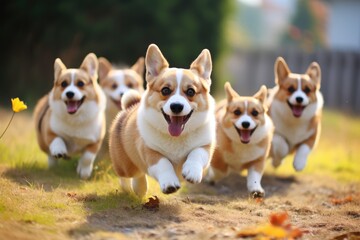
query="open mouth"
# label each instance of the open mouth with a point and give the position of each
(297, 110)
(176, 123)
(117, 103)
(245, 134)
(72, 106)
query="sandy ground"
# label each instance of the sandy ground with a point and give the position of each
(219, 212)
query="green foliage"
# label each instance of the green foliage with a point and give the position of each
(37, 32)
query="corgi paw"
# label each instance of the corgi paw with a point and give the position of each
(257, 194)
(170, 186)
(192, 172)
(84, 171)
(58, 148)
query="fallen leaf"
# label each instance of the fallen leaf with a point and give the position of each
(152, 204)
(341, 201)
(278, 219)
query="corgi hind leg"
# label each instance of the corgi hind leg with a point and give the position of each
(139, 185)
(279, 150)
(125, 184)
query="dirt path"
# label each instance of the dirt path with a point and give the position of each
(218, 212)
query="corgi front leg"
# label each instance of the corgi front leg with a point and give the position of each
(197, 160)
(57, 149)
(86, 161)
(163, 171)
(279, 149)
(301, 156)
(254, 175)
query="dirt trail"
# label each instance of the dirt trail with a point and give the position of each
(218, 212)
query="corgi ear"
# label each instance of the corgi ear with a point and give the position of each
(203, 65)
(230, 92)
(139, 66)
(261, 94)
(104, 68)
(155, 62)
(314, 73)
(91, 65)
(58, 68)
(281, 70)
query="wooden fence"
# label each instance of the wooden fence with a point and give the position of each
(340, 82)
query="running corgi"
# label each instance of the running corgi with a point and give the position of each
(244, 133)
(71, 118)
(295, 107)
(171, 131)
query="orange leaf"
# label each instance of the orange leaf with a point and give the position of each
(245, 233)
(340, 201)
(278, 219)
(152, 204)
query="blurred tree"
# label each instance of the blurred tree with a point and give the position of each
(36, 32)
(305, 29)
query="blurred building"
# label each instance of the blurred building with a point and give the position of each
(343, 30)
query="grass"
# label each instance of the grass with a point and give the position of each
(54, 202)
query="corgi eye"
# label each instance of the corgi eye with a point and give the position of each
(307, 90)
(165, 91)
(291, 89)
(64, 84)
(254, 113)
(80, 84)
(114, 86)
(237, 112)
(130, 85)
(190, 92)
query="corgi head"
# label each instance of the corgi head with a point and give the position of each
(177, 99)
(116, 82)
(74, 86)
(244, 114)
(297, 90)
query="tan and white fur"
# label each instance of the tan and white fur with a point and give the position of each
(71, 118)
(295, 107)
(244, 133)
(171, 132)
(115, 82)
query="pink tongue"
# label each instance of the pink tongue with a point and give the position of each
(297, 111)
(72, 106)
(175, 126)
(245, 136)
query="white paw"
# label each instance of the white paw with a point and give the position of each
(169, 183)
(84, 171)
(192, 172)
(163, 171)
(300, 158)
(254, 183)
(58, 148)
(85, 165)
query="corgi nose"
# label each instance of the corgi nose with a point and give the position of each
(176, 107)
(121, 94)
(70, 94)
(299, 99)
(245, 124)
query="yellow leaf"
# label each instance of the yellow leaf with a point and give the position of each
(272, 231)
(18, 105)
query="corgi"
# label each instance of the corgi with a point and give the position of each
(71, 118)
(244, 133)
(295, 107)
(171, 131)
(115, 82)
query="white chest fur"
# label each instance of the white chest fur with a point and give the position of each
(80, 129)
(295, 130)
